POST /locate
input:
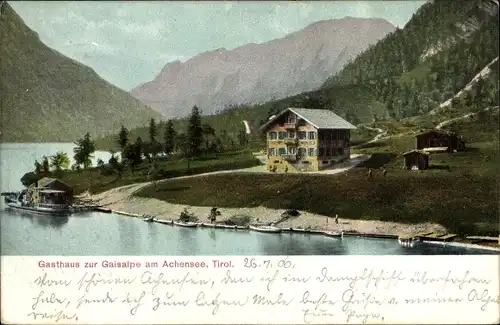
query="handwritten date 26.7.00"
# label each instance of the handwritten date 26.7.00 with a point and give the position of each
(255, 263)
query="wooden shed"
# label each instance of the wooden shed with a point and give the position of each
(439, 140)
(416, 160)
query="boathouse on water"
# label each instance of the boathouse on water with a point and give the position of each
(50, 191)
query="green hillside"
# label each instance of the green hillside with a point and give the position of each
(45, 96)
(354, 102)
(443, 46)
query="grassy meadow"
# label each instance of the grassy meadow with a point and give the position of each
(97, 180)
(459, 190)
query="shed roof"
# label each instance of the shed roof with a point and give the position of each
(51, 191)
(415, 151)
(438, 131)
(319, 118)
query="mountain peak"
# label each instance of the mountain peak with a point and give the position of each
(300, 61)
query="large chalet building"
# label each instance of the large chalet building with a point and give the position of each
(302, 139)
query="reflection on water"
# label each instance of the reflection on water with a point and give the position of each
(212, 234)
(40, 219)
(108, 234)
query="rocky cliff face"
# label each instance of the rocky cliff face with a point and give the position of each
(255, 73)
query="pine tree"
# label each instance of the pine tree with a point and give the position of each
(83, 151)
(194, 134)
(38, 168)
(122, 139)
(169, 138)
(153, 131)
(45, 166)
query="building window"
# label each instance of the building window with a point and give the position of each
(271, 152)
(302, 152)
(282, 151)
(311, 152)
(281, 135)
(302, 135)
(292, 150)
(312, 135)
(291, 135)
(272, 136)
(291, 119)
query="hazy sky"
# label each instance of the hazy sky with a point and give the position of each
(128, 42)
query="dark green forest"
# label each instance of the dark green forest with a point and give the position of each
(409, 82)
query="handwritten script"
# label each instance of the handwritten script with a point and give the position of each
(250, 290)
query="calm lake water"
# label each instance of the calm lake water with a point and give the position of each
(109, 234)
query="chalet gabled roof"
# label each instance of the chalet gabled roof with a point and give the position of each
(319, 118)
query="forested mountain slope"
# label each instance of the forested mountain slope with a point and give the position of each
(439, 51)
(46, 96)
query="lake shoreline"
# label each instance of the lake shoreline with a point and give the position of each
(122, 200)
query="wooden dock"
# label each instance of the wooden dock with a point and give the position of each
(430, 236)
(9, 193)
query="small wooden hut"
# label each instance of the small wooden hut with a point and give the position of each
(439, 140)
(416, 160)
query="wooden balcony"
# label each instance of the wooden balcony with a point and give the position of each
(290, 126)
(291, 141)
(290, 157)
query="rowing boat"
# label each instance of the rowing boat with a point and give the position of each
(269, 229)
(332, 234)
(185, 224)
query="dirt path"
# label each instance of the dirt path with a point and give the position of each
(464, 117)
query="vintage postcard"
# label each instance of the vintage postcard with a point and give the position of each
(249, 162)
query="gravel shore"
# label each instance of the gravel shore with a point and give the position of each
(122, 199)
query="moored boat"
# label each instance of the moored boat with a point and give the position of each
(46, 196)
(163, 221)
(332, 234)
(300, 230)
(209, 225)
(409, 242)
(148, 218)
(185, 224)
(269, 229)
(24, 203)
